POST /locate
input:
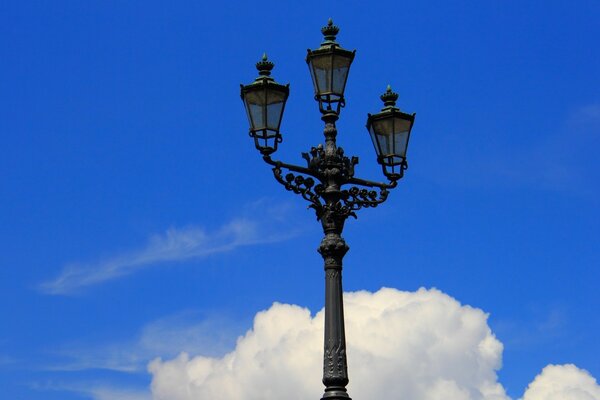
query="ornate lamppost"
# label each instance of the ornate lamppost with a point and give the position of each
(327, 181)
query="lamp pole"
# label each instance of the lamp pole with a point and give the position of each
(327, 181)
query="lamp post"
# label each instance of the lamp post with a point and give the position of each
(327, 181)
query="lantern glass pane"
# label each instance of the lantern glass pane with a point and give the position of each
(383, 129)
(255, 101)
(321, 73)
(374, 139)
(341, 65)
(275, 103)
(313, 76)
(401, 132)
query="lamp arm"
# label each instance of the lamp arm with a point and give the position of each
(291, 167)
(381, 185)
(299, 184)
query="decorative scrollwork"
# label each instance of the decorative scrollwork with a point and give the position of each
(356, 198)
(304, 186)
(319, 161)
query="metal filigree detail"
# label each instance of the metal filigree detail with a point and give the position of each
(355, 198)
(333, 248)
(301, 185)
(324, 164)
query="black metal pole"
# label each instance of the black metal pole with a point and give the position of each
(335, 369)
(332, 249)
(333, 205)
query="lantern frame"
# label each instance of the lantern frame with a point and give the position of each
(329, 86)
(264, 128)
(391, 158)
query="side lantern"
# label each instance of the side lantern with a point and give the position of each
(390, 132)
(265, 101)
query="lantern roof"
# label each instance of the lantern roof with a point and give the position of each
(329, 43)
(389, 98)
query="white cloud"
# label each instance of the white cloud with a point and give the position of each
(421, 345)
(177, 245)
(563, 382)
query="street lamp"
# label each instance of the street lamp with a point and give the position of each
(390, 131)
(265, 100)
(328, 182)
(329, 66)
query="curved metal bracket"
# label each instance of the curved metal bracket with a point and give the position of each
(381, 185)
(303, 186)
(352, 199)
(356, 198)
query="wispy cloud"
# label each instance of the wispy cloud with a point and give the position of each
(189, 331)
(542, 327)
(588, 115)
(110, 393)
(176, 244)
(6, 360)
(96, 391)
(563, 160)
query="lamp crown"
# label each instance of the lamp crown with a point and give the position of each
(329, 32)
(389, 98)
(264, 66)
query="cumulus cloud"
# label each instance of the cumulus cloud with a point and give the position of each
(563, 382)
(418, 345)
(421, 345)
(177, 244)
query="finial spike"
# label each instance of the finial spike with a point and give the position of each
(329, 31)
(264, 66)
(389, 98)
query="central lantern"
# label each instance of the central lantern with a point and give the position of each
(329, 66)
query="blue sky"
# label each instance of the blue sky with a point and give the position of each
(138, 221)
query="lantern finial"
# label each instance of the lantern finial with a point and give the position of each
(330, 31)
(264, 66)
(389, 98)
